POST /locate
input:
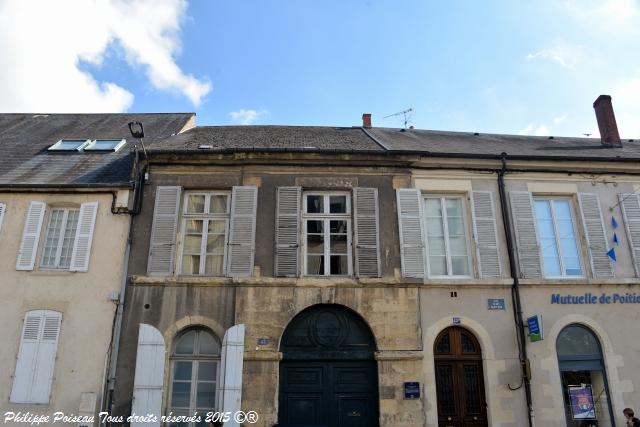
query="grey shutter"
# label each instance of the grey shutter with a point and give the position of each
(149, 375)
(163, 231)
(84, 236)
(411, 232)
(365, 201)
(485, 233)
(242, 230)
(596, 235)
(30, 236)
(524, 225)
(229, 392)
(287, 231)
(3, 209)
(631, 212)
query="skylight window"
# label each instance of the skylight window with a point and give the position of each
(69, 145)
(105, 145)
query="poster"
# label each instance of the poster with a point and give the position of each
(582, 406)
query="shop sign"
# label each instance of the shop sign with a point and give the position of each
(535, 328)
(495, 304)
(582, 407)
(412, 390)
(590, 298)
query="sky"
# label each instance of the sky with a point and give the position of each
(495, 66)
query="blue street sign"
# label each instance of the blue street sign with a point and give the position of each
(412, 390)
(495, 304)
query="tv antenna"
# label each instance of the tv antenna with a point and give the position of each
(405, 115)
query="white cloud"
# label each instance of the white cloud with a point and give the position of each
(565, 54)
(42, 50)
(246, 117)
(560, 119)
(626, 104)
(533, 129)
(613, 15)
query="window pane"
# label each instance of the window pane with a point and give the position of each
(551, 266)
(315, 227)
(218, 226)
(434, 227)
(337, 204)
(180, 394)
(208, 344)
(315, 244)
(193, 226)
(432, 208)
(207, 371)
(339, 265)
(459, 266)
(457, 246)
(338, 244)
(315, 204)
(543, 209)
(436, 246)
(206, 395)
(456, 226)
(454, 208)
(575, 340)
(437, 265)
(53, 235)
(337, 226)
(218, 203)
(182, 371)
(562, 210)
(315, 265)
(195, 203)
(191, 264)
(69, 237)
(192, 244)
(215, 244)
(213, 265)
(185, 343)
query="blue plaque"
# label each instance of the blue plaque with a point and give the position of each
(456, 321)
(495, 304)
(263, 341)
(412, 390)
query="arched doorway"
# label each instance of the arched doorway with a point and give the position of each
(459, 379)
(328, 374)
(584, 381)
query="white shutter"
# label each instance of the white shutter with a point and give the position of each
(3, 209)
(149, 375)
(84, 236)
(230, 384)
(36, 358)
(524, 225)
(163, 231)
(287, 231)
(485, 233)
(411, 229)
(630, 203)
(30, 236)
(365, 201)
(242, 230)
(595, 234)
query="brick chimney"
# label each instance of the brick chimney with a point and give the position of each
(607, 122)
(366, 120)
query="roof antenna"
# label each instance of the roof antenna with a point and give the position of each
(137, 131)
(405, 115)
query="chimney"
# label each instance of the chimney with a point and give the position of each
(366, 120)
(607, 122)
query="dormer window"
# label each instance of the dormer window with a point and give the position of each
(105, 145)
(70, 145)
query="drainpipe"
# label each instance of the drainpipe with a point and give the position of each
(515, 294)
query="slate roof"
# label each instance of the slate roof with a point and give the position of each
(24, 139)
(249, 138)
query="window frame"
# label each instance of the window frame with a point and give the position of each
(576, 234)
(445, 228)
(82, 143)
(326, 217)
(92, 143)
(60, 242)
(205, 230)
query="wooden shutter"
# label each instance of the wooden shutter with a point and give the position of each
(411, 230)
(149, 375)
(630, 203)
(30, 236)
(485, 233)
(287, 231)
(3, 209)
(230, 383)
(163, 232)
(524, 225)
(365, 201)
(595, 234)
(242, 230)
(36, 358)
(84, 236)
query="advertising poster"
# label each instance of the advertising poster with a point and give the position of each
(582, 406)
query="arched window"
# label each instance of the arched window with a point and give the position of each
(584, 379)
(195, 362)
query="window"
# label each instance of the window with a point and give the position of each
(327, 234)
(205, 225)
(558, 243)
(194, 373)
(69, 145)
(105, 145)
(60, 236)
(447, 248)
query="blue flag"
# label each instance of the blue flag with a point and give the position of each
(612, 254)
(614, 223)
(615, 239)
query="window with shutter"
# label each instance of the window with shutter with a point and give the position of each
(485, 234)
(30, 236)
(595, 234)
(33, 376)
(163, 231)
(287, 231)
(3, 209)
(242, 230)
(410, 224)
(524, 225)
(365, 201)
(84, 237)
(630, 203)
